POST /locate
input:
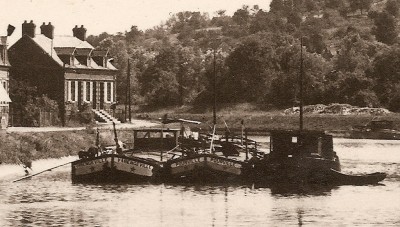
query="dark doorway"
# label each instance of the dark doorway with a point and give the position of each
(101, 95)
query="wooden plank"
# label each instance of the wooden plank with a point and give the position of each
(29, 176)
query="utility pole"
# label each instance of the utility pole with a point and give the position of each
(129, 91)
(301, 83)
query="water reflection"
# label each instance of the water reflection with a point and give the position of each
(52, 200)
(300, 213)
(285, 189)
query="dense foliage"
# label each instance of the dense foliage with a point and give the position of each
(350, 49)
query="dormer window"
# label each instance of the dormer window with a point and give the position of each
(66, 55)
(100, 57)
(83, 55)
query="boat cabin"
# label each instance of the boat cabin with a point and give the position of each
(155, 138)
(287, 144)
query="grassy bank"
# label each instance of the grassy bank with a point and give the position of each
(259, 121)
(22, 146)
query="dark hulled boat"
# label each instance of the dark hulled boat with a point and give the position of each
(226, 161)
(376, 129)
(297, 156)
(304, 156)
(113, 168)
(205, 168)
(142, 162)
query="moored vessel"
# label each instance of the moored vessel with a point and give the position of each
(297, 156)
(143, 162)
(376, 129)
(304, 156)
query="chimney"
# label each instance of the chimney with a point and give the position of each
(47, 30)
(79, 33)
(28, 29)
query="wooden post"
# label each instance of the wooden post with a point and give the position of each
(129, 92)
(40, 117)
(247, 149)
(301, 84)
(162, 149)
(242, 127)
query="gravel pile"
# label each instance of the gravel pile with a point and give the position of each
(335, 108)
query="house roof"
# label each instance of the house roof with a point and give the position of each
(64, 50)
(65, 44)
(3, 95)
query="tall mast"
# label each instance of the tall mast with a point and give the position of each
(126, 93)
(301, 83)
(214, 92)
(214, 104)
(129, 91)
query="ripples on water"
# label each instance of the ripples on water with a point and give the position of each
(50, 199)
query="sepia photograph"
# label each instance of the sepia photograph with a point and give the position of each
(161, 113)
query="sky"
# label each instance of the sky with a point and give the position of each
(110, 16)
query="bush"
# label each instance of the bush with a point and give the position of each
(86, 114)
(394, 103)
(32, 109)
(365, 98)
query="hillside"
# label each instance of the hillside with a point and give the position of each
(350, 52)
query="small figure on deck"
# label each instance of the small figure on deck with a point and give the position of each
(27, 165)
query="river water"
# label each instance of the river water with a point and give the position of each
(50, 199)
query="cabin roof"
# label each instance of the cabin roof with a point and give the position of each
(157, 130)
(298, 132)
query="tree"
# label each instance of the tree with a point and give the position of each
(277, 6)
(360, 5)
(334, 4)
(392, 7)
(187, 20)
(267, 21)
(242, 16)
(394, 101)
(386, 73)
(354, 88)
(173, 77)
(285, 86)
(28, 103)
(221, 19)
(294, 18)
(385, 28)
(133, 35)
(354, 54)
(247, 75)
(95, 40)
(313, 33)
(311, 5)
(366, 98)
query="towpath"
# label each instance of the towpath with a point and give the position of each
(134, 124)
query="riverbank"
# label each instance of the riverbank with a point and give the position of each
(19, 144)
(257, 121)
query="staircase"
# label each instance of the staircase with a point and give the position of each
(101, 116)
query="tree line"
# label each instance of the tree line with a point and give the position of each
(350, 48)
